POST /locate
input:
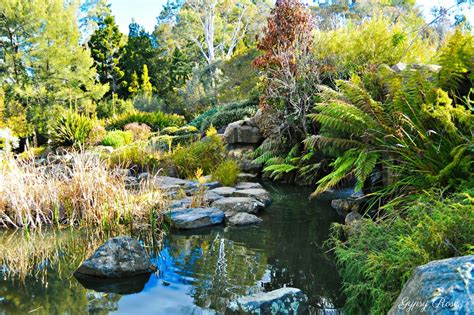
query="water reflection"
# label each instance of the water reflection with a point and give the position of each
(200, 271)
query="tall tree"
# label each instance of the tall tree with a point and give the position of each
(45, 64)
(216, 26)
(106, 45)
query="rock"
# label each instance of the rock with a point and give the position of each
(249, 166)
(212, 196)
(212, 185)
(224, 191)
(345, 205)
(143, 176)
(428, 67)
(399, 67)
(120, 256)
(104, 149)
(281, 301)
(258, 193)
(439, 287)
(248, 185)
(243, 218)
(352, 217)
(242, 132)
(246, 177)
(192, 218)
(166, 181)
(181, 203)
(233, 205)
(239, 151)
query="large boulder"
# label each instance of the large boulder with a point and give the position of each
(119, 257)
(192, 218)
(242, 132)
(439, 287)
(243, 218)
(234, 205)
(258, 193)
(281, 301)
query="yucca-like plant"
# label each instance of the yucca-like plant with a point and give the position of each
(71, 129)
(419, 135)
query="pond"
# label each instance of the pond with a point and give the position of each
(201, 270)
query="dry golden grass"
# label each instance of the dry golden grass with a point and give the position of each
(79, 190)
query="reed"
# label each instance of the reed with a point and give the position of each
(77, 189)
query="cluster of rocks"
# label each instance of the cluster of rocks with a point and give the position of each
(243, 137)
(236, 205)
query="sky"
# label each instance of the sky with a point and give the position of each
(145, 11)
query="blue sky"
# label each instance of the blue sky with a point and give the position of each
(145, 11)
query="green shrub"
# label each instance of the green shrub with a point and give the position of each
(137, 156)
(118, 138)
(206, 154)
(155, 120)
(197, 122)
(379, 257)
(227, 173)
(71, 129)
(221, 116)
(179, 131)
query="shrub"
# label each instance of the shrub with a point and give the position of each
(227, 173)
(71, 129)
(118, 138)
(198, 121)
(140, 131)
(179, 131)
(96, 135)
(379, 257)
(155, 120)
(137, 156)
(206, 154)
(222, 116)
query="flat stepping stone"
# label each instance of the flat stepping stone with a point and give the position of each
(181, 203)
(234, 205)
(248, 185)
(224, 191)
(192, 218)
(258, 193)
(243, 218)
(167, 181)
(212, 196)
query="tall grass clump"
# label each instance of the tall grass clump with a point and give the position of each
(78, 191)
(155, 120)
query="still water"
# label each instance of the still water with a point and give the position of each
(201, 270)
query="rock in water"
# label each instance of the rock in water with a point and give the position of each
(193, 218)
(244, 219)
(281, 301)
(439, 287)
(233, 205)
(258, 193)
(248, 185)
(119, 257)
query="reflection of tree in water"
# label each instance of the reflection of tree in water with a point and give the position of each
(221, 269)
(60, 296)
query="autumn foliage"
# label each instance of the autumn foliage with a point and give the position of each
(288, 33)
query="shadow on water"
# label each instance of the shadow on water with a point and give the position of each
(199, 271)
